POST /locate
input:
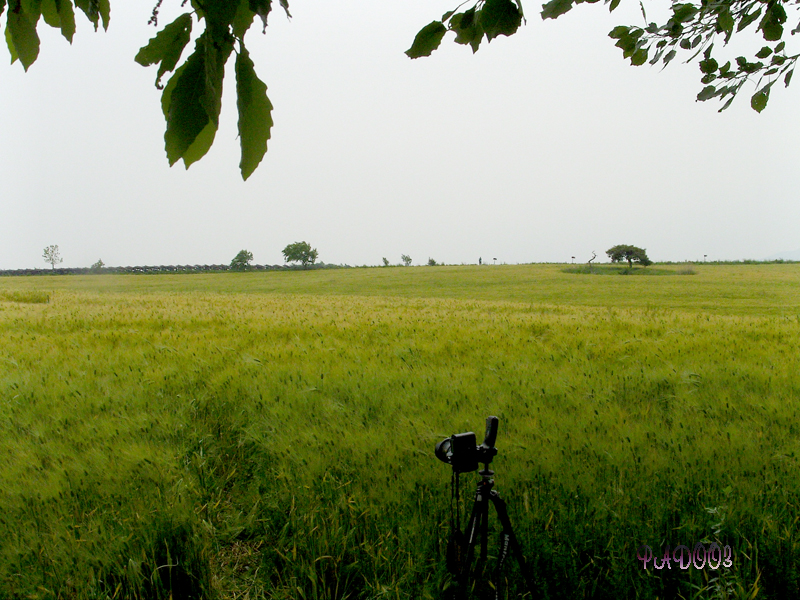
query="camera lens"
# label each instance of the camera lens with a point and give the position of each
(444, 450)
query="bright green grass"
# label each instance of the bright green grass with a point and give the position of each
(718, 289)
(271, 434)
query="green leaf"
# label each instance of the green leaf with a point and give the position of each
(747, 19)
(468, 29)
(764, 52)
(104, 8)
(427, 40)
(192, 98)
(32, 8)
(639, 57)
(22, 35)
(201, 145)
(11, 49)
(185, 113)
(780, 47)
(772, 31)
(556, 8)
(91, 9)
(759, 100)
(788, 79)
(725, 21)
(618, 32)
(167, 46)
(95, 10)
(772, 24)
(67, 17)
(499, 17)
(614, 4)
(708, 65)
(217, 52)
(244, 19)
(683, 12)
(2, 7)
(261, 8)
(706, 93)
(255, 114)
(50, 13)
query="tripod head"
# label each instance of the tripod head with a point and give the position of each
(461, 452)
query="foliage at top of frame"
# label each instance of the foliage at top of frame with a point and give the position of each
(694, 28)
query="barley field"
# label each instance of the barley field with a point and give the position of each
(270, 435)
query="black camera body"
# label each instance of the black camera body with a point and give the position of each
(461, 451)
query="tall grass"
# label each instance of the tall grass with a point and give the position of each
(248, 444)
(25, 297)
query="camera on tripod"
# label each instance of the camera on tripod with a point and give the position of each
(461, 452)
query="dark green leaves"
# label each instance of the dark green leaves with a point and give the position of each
(192, 98)
(23, 18)
(556, 8)
(629, 40)
(255, 118)
(708, 66)
(192, 101)
(21, 36)
(759, 100)
(772, 24)
(261, 8)
(59, 14)
(706, 93)
(764, 52)
(468, 29)
(166, 48)
(427, 40)
(725, 23)
(500, 17)
(489, 18)
(95, 10)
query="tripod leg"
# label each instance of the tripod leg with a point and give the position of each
(508, 541)
(479, 514)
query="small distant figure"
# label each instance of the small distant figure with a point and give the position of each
(573, 260)
(495, 260)
(480, 260)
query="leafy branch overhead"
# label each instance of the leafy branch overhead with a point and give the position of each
(192, 98)
(695, 29)
(487, 18)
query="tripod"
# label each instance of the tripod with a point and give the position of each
(478, 526)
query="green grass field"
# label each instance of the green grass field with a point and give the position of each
(270, 435)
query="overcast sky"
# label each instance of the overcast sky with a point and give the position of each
(540, 147)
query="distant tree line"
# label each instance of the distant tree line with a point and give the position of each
(150, 269)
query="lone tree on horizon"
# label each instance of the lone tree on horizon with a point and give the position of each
(52, 255)
(300, 252)
(629, 253)
(241, 262)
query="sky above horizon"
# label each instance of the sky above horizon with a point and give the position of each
(538, 148)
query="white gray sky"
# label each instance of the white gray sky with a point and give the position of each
(540, 147)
